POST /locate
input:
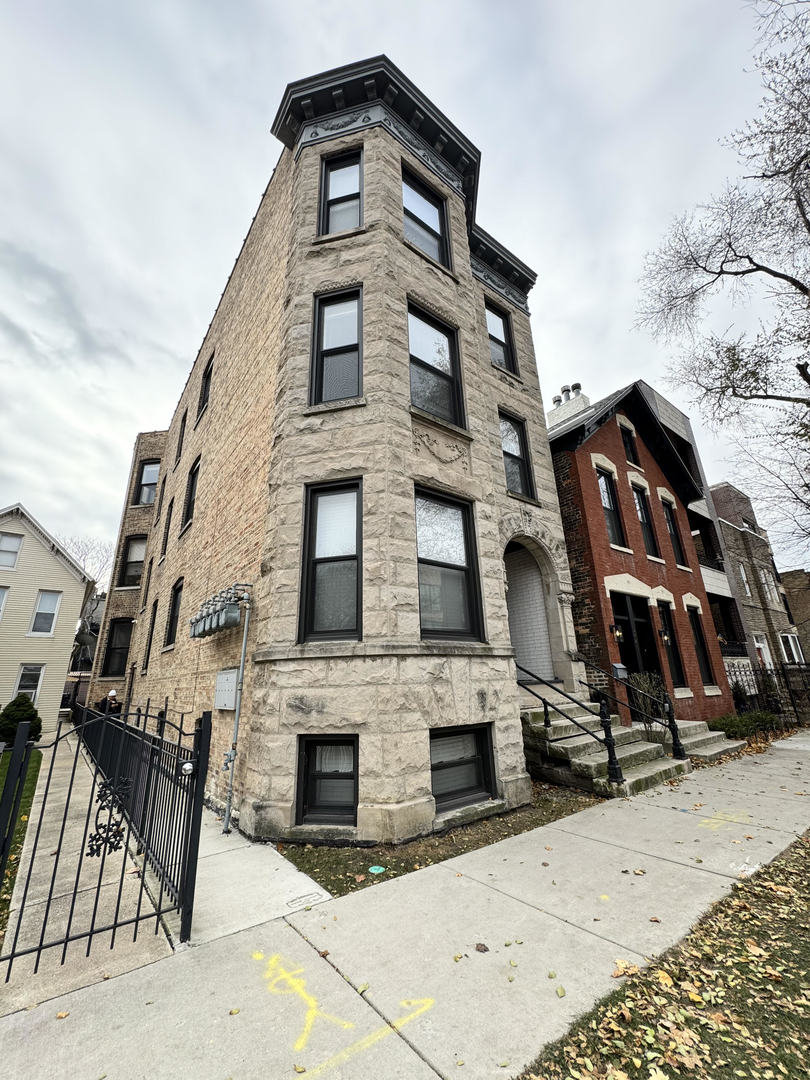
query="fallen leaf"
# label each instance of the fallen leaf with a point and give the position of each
(552, 974)
(511, 978)
(233, 1012)
(323, 952)
(507, 943)
(654, 919)
(361, 989)
(639, 873)
(663, 978)
(62, 1015)
(359, 877)
(560, 991)
(481, 947)
(512, 963)
(299, 1068)
(457, 957)
(544, 864)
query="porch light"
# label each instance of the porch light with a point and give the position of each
(664, 636)
(616, 631)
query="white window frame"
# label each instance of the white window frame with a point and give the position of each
(761, 642)
(769, 585)
(41, 667)
(4, 591)
(38, 633)
(21, 537)
(795, 646)
(744, 579)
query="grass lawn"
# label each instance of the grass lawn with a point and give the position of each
(343, 870)
(732, 1000)
(7, 885)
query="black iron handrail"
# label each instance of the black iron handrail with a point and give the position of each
(664, 703)
(615, 775)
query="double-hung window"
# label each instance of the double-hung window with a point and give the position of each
(181, 436)
(174, 613)
(10, 544)
(336, 367)
(629, 443)
(147, 483)
(330, 601)
(671, 644)
(166, 527)
(131, 570)
(645, 520)
(704, 663)
(45, 612)
(674, 533)
(4, 590)
(117, 651)
(791, 649)
(515, 456)
(327, 779)
(449, 597)
(149, 637)
(29, 681)
(205, 386)
(340, 194)
(146, 584)
(501, 348)
(191, 493)
(425, 219)
(435, 383)
(461, 765)
(610, 505)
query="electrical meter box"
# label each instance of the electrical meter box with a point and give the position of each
(225, 693)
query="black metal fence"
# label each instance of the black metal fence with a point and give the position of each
(783, 690)
(117, 796)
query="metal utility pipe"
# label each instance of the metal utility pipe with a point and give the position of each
(226, 825)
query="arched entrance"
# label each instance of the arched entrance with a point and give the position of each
(526, 606)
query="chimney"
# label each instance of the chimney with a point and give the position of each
(568, 403)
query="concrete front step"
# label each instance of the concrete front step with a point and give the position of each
(712, 749)
(577, 746)
(629, 756)
(642, 777)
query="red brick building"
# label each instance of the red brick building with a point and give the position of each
(629, 503)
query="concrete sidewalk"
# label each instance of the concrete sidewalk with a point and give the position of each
(389, 981)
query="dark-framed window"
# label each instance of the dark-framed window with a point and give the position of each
(515, 455)
(191, 493)
(181, 435)
(674, 532)
(501, 346)
(159, 506)
(610, 504)
(149, 637)
(174, 613)
(205, 385)
(645, 520)
(337, 353)
(461, 765)
(166, 527)
(425, 217)
(700, 647)
(629, 441)
(435, 382)
(341, 193)
(131, 570)
(147, 483)
(117, 651)
(670, 642)
(147, 583)
(330, 597)
(449, 592)
(327, 779)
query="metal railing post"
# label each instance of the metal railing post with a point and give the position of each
(678, 751)
(546, 717)
(202, 743)
(614, 768)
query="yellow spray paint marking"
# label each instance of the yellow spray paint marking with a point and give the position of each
(721, 818)
(419, 1006)
(281, 981)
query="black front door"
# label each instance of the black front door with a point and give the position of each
(637, 648)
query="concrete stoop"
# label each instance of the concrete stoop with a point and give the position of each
(580, 761)
(699, 742)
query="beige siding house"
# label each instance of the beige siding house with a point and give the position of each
(42, 592)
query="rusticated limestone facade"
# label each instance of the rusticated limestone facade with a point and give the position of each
(368, 643)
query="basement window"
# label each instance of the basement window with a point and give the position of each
(461, 766)
(327, 780)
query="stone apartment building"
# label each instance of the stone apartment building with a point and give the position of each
(796, 586)
(361, 443)
(770, 634)
(638, 532)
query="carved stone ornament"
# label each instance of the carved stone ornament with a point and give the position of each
(336, 123)
(499, 284)
(565, 599)
(526, 524)
(443, 450)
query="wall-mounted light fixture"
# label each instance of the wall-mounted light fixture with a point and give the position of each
(617, 632)
(664, 635)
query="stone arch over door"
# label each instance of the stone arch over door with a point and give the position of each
(526, 607)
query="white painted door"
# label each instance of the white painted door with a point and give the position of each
(528, 625)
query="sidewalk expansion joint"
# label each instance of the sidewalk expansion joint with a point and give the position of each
(370, 1004)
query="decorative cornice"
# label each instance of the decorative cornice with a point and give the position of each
(499, 284)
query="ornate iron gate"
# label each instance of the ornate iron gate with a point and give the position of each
(113, 834)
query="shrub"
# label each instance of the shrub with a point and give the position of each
(741, 727)
(17, 711)
(643, 710)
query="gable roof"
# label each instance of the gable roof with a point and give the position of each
(18, 510)
(571, 433)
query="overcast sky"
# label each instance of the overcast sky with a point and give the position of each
(135, 145)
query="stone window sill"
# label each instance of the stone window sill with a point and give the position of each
(324, 650)
(525, 499)
(185, 528)
(126, 588)
(200, 415)
(335, 406)
(329, 238)
(167, 648)
(688, 569)
(654, 558)
(626, 551)
(432, 262)
(712, 691)
(442, 425)
(513, 375)
(682, 692)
